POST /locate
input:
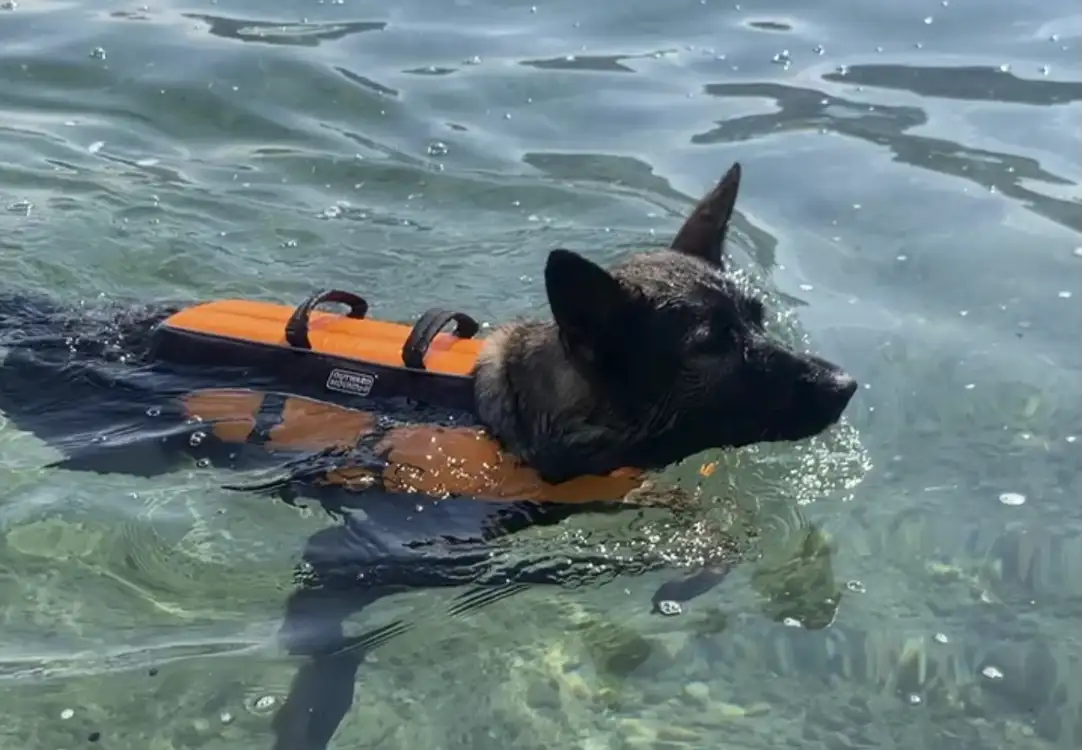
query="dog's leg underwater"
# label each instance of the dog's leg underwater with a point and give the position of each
(321, 692)
(353, 566)
(671, 596)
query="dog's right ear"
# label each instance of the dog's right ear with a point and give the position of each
(703, 233)
(587, 302)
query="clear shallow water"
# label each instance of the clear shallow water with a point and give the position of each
(916, 209)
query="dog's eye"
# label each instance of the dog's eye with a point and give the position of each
(756, 311)
(712, 338)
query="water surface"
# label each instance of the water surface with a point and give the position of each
(911, 205)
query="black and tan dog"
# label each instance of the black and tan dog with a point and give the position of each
(658, 359)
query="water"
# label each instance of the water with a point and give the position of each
(911, 198)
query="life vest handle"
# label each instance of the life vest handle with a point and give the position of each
(426, 329)
(297, 326)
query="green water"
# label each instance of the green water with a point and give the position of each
(911, 204)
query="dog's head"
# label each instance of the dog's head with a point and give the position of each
(677, 351)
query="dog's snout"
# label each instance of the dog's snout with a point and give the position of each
(835, 390)
(827, 388)
(844, 384)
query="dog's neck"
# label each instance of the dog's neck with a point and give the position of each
(538, 406)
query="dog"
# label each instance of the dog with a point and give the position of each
(657, 359)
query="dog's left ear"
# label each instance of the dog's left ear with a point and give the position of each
(587, 303)
(703, 233)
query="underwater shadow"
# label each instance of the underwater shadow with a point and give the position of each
(807, 109)
(970, 83)
(283, 34)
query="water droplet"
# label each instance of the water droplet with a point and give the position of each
(66, 714)
(914, 699)
(98, 53)
(791, 622)
(332, 212)
(928, 20)
(203, 463)
(95, 147)
(806, 287)
(9, 5)
(669, 607)
(1044, 70)
(782, 58)
(225, 717)
(1072, 438)
(196, 438)
(437, 148)
(1064, 295)
(1012, 498)
(992, 673)
(856, 586)
(475, 60)
(819, 49)
(154, 411)
(940, 638)
(264, 702)
(1005, 68)
(842, 70)
(903, 257)
(1077, 252)
(970, 386)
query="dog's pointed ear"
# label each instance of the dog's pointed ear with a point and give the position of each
(587, 302)
(703, 233)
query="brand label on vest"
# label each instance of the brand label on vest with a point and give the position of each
(354, 383)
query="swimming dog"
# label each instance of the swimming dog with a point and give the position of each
(657, 359)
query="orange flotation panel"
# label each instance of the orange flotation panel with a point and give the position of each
(359, 339)
(339, 357)
(432, 460)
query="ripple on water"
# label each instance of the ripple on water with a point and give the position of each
(431, 156)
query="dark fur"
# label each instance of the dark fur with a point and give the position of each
(661, 358)
(656, 360)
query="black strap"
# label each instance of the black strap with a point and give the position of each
(426, 328)
(267, 417)
(297, 327)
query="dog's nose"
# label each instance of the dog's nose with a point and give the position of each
(845, 384)
(842, 386)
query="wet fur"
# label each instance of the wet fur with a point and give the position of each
(657, 359)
